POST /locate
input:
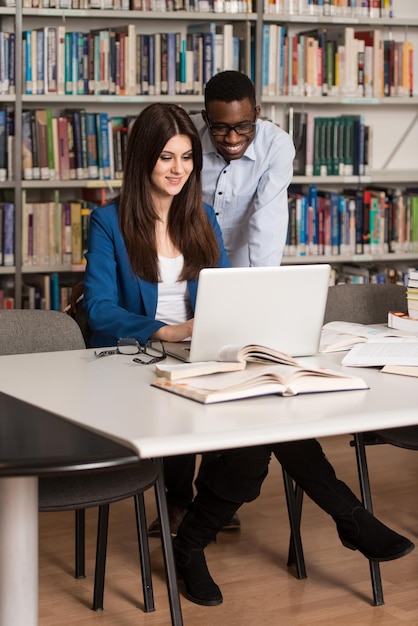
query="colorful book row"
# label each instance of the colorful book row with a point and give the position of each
(118, 61)
(369, 221)
(330, 146)
(335, 61)
(335, 8)
(204, 6)
(76, 145)
(46, 291)
(54, 233)
(7, 63)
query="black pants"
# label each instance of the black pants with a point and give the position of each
(237, 475)
(231, 477)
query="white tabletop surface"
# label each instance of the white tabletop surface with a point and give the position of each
(112, 395)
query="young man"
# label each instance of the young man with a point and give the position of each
(247, 168)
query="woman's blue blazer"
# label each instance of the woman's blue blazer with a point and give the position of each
(118, 302)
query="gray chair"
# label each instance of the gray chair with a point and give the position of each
(364, 304)
(27, 331)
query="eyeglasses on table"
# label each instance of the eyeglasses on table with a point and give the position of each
(152, 352)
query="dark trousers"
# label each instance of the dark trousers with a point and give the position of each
(179, 475)
(237, 475)
(232, 477)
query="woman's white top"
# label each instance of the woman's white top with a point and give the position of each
(173, 305)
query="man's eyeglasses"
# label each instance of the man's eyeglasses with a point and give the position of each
(222, 130)
(152, 352)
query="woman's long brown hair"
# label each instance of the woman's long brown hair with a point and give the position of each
(188, 227)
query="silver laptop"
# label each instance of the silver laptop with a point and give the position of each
(278, 307)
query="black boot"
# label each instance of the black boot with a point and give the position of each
(199, 584)
(357, 528)
(199, 527)
(363, 532)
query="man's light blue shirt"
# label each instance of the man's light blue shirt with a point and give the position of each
(249, 195)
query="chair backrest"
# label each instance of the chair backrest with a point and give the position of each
(364, 304)
(27, 330)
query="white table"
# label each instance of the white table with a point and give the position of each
(113, 396)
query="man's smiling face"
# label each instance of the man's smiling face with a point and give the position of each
(232, 126)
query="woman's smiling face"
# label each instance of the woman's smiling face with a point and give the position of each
(173, 167)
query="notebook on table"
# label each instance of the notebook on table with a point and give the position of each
(278, 307)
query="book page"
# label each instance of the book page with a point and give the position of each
(255, 353)
(258, 380)
(379, 352)
(340, 336)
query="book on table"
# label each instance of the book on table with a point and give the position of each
(381, 351)
(339, 336)
(402, 370)
(244, 372)
(402, 321)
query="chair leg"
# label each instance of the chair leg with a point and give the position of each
(80, 533)
(144, 557)
(366, 497)
(167, 545)
(101, 548)
(294, 498)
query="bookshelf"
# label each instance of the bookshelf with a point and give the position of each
(395, 163)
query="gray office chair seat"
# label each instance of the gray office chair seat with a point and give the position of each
(89, 489)
(28, 331)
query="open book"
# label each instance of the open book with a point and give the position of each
(384, 351)
(256, 379)
(231, 358)
(339, 336)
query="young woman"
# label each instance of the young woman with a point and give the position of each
(146, 250)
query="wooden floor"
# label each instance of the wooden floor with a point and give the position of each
(250, 566)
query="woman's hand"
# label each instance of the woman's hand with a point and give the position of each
(176, 332)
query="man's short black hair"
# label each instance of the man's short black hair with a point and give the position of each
(229, 86)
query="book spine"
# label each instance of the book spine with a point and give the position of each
(36, 171)
(41, 123)
(3, 145)
(93, 166)
(76, 239)
(12, 64)
(8, 234)
(102, 131)
(66, 233)
(40, 61)
(50, 59)
(27, 161)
